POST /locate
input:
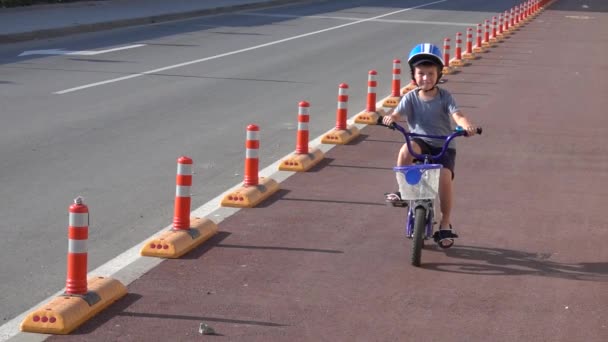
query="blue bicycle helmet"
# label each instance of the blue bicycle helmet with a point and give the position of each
(426, 53)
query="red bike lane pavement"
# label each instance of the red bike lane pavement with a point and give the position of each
(325, 260)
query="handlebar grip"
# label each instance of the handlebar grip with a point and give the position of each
(380, 123)
(478, 130)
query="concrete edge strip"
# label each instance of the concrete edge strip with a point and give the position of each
(106, 25)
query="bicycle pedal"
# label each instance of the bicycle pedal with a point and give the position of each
(399, 204)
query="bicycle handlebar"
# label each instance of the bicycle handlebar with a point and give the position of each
(447, 139)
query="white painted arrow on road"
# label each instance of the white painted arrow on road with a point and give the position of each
(77, 53)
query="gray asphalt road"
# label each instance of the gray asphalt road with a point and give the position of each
(193, 88)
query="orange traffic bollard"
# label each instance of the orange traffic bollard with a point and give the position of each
(304, 157)
(500, 27)
(486, 38)
(493, 36)
(83, 298)
(392, 100)
(342, 110)
(302, 134)
(183, 183)
(252, 145)
(187, 232)
(78, 234)
(396, 81)
(255, 189)
(371, 90)
(457, 60)
(342, 134)
(468, 53)
(370, 114)
(479, 47)
(512, 18)
(446, 56)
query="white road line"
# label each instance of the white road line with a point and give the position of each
(114, 80)
(77, 53)
(445, 23)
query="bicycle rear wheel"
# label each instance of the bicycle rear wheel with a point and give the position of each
(418, 236)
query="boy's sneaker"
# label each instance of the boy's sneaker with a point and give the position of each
(394, 199)
(445, 237)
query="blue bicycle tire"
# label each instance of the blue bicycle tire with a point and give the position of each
(418, 236)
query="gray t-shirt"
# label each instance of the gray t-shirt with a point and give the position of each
(432, 117)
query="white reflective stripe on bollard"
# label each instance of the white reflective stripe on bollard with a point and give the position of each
(77, 246)
(78, 220)
(182, 191)
(184, 169)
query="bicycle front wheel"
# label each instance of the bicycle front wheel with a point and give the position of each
(418, 236)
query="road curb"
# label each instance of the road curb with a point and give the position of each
(107, 25)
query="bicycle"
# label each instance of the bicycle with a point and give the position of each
(419, 187)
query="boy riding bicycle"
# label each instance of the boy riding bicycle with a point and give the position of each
(430, 110)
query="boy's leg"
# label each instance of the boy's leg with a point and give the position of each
(445, 235)
(445, 197)
(403, 158)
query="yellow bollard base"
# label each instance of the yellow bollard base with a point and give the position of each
(479, 49)
(459, 63)
(469, 56)
(489, 44)
(250, 196)
(62, 314)
(342, 136)
(446, 70)
(302, 162)
(369, 118)
(411, 86)
(456, 62)
(174, 243)
(391, 101)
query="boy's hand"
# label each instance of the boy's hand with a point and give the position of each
(471, 131)
(387, 120)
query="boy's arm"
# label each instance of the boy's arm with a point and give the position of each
(461, 120)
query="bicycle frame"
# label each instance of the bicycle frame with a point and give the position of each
(423, 159)
(422, 207)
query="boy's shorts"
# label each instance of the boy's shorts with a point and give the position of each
(448, 160)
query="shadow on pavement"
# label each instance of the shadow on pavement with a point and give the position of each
(106, 315)
(209, 244)
(291, 249)
(500, 261)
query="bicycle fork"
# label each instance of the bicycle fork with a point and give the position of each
(430, 213)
